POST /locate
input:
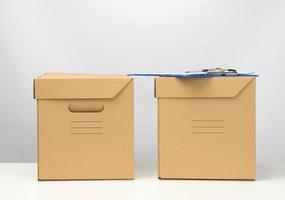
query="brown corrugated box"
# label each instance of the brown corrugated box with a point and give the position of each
(85, 126)
(206, 128)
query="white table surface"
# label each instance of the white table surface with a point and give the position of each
(19, 181)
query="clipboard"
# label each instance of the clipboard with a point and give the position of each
(204, 73)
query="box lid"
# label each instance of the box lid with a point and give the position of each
(200, 87)
(77, 86)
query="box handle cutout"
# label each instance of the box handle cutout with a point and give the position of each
(85, 107)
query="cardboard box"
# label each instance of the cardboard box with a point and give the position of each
(206, 128)
(85, 126)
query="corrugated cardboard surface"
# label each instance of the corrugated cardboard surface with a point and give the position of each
(206, 128)
(75, 141)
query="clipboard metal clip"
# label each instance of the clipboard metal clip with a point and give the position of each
(216, 71)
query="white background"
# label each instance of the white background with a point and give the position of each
(269, 185)
(123, 36)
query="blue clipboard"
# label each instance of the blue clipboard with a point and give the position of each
(193, 75)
